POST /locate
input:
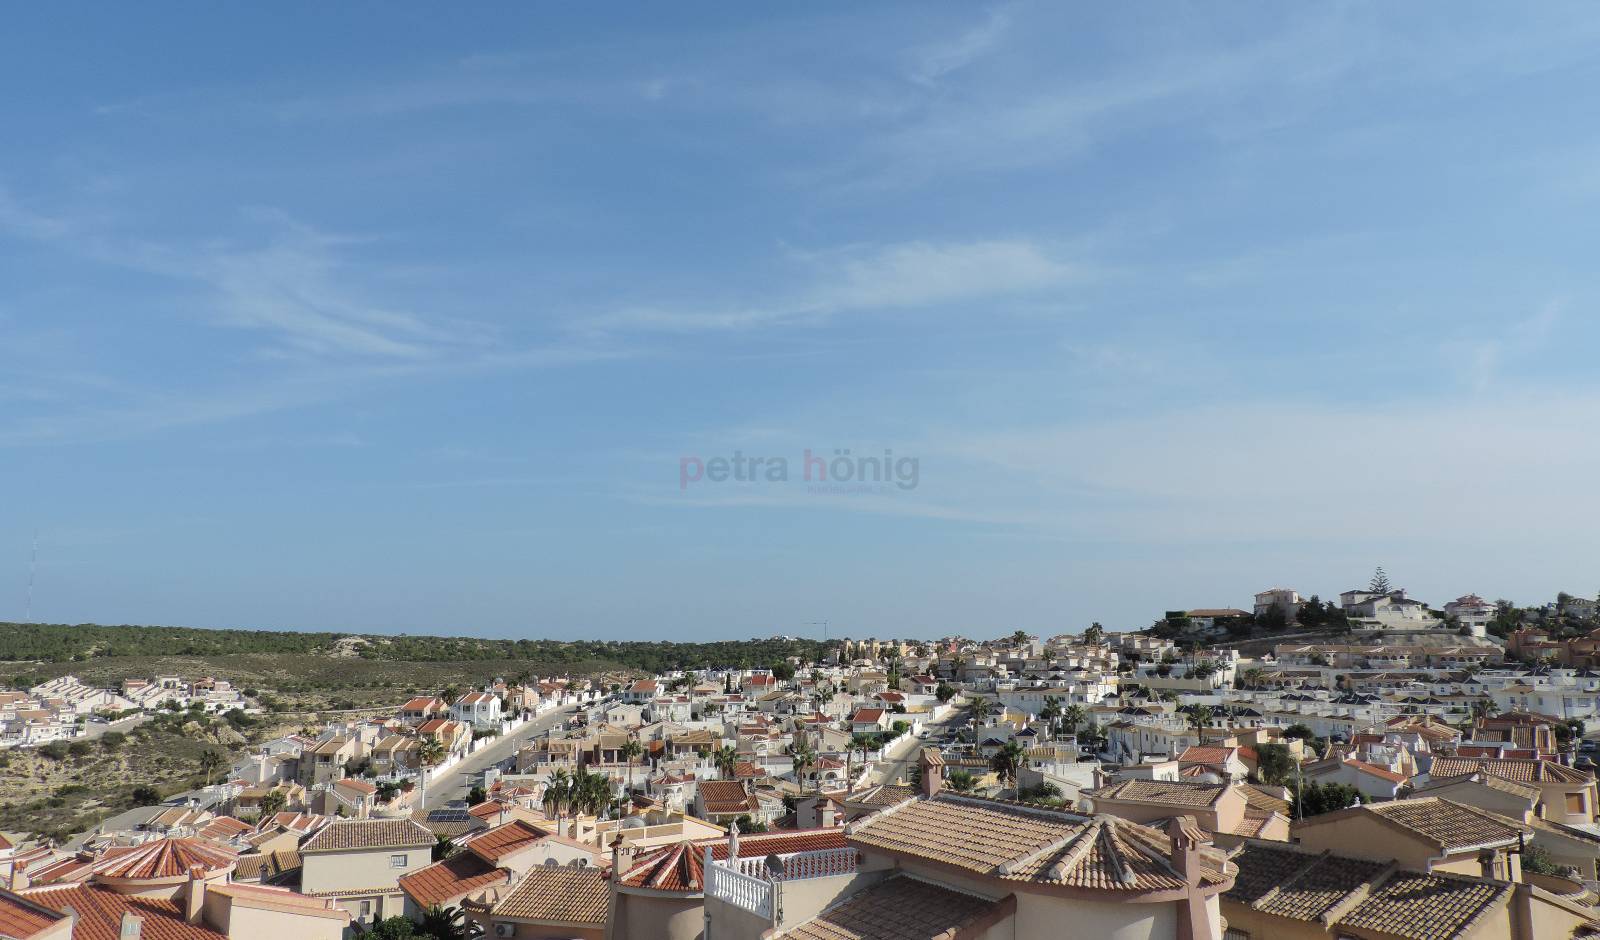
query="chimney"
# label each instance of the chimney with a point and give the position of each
(827, 817)
(932, 772)
(194, 897)
(132, 927)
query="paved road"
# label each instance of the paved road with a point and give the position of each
(455, 784)
(887, 772)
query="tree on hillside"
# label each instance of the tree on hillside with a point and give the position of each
(211, 761)
(1094, 635)
(1380, 582)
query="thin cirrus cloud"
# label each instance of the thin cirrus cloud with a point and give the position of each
(875, 278)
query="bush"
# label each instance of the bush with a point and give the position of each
(144, 795)
(55, 750)
(112, 740)
(80, 748)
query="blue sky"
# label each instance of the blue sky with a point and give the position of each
(369, 318)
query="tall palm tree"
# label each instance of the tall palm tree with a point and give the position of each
(430, 754)
(1072, 717)
(210, 762)
(557, 790)
(858, 742)
(450, 694)
(1200, 718)
(803, 757)
(1051, 711)
(727, 760)
(632, 750)
(980, 706)
(1007, 761)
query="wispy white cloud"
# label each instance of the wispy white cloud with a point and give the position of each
(861, 278)
(935, 62)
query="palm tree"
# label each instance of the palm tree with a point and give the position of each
(450, 694)
(1200, 717)
(727, 760)
(272, 803)
(632, 750)
(1007, 761)
(556, 792)
(1072, 717)
(1051, 711)
(448, 923)
(980, 706)
(1253, 678)
(960, 780)
(210, 762)
(858, 742)
(430, 752)
(804, 757)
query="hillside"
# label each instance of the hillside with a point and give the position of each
(285, 659)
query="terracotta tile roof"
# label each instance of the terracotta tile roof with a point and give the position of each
(1194, 754)
(223, 828)
(1520, 771)
(1451, 826)
(1417, 906)
(1167, 792)
(444, 882)
(569, 896)
(726, 797)
(867, 714)
(678, 867)
(22, 918)
(886, 794)
(368, 834)
(493, 845)
(1490, 781)
(1297, 885)
(1260, 800)
(258, 866)
(1382, 773)
(1025, 843)
(163, 858)
(100, 913)
(901, 908)
(745, 769)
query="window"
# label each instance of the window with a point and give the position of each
(397, 861)
(1575, 805)
(366, 910)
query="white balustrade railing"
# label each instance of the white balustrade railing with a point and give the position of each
(737, 888)
(797, 866)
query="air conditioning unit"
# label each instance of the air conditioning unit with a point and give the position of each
(505, 930)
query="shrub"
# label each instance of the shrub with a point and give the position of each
(80, 748)
(55, 750)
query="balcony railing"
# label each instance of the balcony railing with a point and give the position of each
(737, 888)
(749, 884)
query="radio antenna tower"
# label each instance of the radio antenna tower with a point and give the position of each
(33, 571)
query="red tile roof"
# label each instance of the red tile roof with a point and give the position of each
(445, 882)
(100, 913)
(678, 867)
(495, 844)
(20, 917)
(163, 858)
